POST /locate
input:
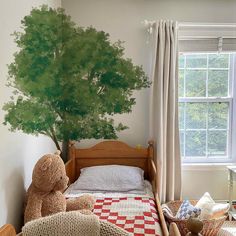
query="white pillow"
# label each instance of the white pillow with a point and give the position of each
(205, 199)
(210, 209)
(110, 178)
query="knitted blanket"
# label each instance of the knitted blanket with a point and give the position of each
(71, 224)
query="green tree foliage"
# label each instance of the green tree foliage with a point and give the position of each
(69, 81)
(204, 125)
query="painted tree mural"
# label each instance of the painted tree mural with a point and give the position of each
(69, 81)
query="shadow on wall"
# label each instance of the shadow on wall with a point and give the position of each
(16, 164)
(14, 197)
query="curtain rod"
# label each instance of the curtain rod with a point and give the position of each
(194, 24)
(223, 30)
(204, 37)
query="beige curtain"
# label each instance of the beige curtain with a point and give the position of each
(164, 128)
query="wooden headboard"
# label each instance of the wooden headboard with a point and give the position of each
(108, 153)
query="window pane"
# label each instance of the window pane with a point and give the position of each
(218, 115)
(196, 114)
(218, 83)
(195, 143)
(181, 61)
(217, 143)
(196, 83)
(181, 83)
(218, 60)
(196, 61)
(181, 115)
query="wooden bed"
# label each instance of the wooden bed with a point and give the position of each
(7, 230)
(119, 153)
(107, 153)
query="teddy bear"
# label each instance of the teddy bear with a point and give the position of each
(45, 195)
(195, 226)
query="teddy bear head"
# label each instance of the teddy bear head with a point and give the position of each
(49, 173)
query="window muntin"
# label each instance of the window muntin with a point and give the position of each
(205, 106)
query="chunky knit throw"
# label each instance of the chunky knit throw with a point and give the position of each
(71, 224)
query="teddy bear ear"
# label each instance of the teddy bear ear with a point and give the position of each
(46, 164)
(57, 152)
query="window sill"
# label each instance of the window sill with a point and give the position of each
(206, 166)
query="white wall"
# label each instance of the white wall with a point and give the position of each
(18, 152)
(122, 20)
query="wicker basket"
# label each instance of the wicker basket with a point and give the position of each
(210, 227)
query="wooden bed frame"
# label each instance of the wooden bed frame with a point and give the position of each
(7, 230)
(107, 153)
(119, 153)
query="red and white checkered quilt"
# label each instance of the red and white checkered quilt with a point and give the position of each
(137, 215)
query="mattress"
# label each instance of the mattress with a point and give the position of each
(136, 213)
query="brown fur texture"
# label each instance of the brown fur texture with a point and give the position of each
(44, 196)
(85, 202)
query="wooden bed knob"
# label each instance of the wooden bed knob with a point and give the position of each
(195, 226)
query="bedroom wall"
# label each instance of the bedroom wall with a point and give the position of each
(19, 152)
(122, 20)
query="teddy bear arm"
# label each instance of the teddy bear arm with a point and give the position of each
(86, 212)
(72, 205)
(33, 207)
(84, 202)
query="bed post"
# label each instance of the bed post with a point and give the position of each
(151, 165)
(152, 172)
(71, 150)
(151, 149)
(7, 230)
(70, 164)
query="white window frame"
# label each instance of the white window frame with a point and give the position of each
(231, 99)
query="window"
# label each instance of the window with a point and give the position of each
(206, 106)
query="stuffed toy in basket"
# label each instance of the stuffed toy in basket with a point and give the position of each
(210, 226)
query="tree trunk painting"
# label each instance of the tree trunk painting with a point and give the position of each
(64, 151)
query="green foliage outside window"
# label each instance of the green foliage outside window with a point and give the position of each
(204, 125)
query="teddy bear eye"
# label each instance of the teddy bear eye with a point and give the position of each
(61, 177)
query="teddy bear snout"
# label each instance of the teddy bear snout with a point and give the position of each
(67, 182)
(62, 183)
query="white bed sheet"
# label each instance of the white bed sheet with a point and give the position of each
(72, 193)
